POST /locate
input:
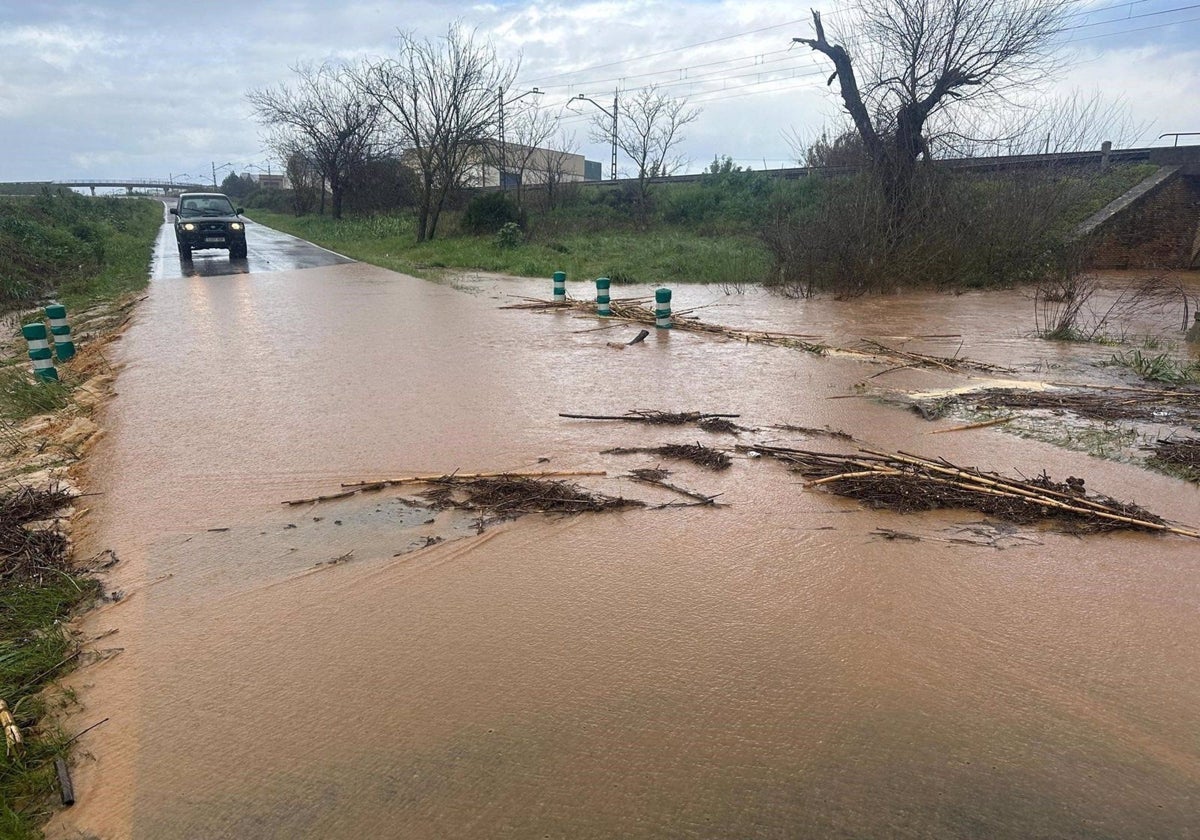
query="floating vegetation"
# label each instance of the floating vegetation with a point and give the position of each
(1093, 404)
(658, 418)
(905, 484)
(510, 496)
(705, 456)
(1180, 456)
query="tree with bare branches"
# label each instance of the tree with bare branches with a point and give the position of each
(532, 129)
(324, 118)
(649, 131)
(440, 100)
(916, 62)
(563, 147)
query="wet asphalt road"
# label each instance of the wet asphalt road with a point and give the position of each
(267, 250)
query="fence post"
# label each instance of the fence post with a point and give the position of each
(60, 331)
(39, 350)
(603, 309)
(662, 309)
(560, 286)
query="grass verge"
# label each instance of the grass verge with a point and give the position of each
(655, 256)
(82, 251)
(34, 650)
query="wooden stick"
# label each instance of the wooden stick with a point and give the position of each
(66, 789)
(666, 485)
(423, 479)
(993, 422)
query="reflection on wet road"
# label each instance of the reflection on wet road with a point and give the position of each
(769, 669)
(266, 250)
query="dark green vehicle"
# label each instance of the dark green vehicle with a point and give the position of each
(209, 220)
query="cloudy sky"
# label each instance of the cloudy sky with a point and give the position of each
(133, 88)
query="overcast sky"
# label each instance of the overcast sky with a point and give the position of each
(150, 89)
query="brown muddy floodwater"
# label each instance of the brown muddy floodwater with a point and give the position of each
(770, 669)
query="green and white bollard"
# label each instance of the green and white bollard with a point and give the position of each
(60, 331)
(560, 286)
(603, 309)
(662, 309)
(39, 350)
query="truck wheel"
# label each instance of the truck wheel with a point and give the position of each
(185, 252)
(238, 252)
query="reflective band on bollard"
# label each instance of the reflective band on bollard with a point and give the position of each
(662, 309)
(602, 301)
(560, 286)
(60, 330)
(39, 350)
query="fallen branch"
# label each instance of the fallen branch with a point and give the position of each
(656, 477)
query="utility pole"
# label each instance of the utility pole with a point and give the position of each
(503, 151)
(613, 174)
(613, 113)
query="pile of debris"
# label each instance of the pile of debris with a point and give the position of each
(906, 483)
(704, 456)
(29, 552)
(510, 496)
(1182, 405)
(1180, 453)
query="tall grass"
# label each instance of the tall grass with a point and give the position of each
(654, 256)
(76, 248)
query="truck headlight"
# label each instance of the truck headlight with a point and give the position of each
(189, 226)
(236, 225)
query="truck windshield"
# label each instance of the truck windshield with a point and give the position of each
(205, 205)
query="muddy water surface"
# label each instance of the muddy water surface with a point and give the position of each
(768, 669)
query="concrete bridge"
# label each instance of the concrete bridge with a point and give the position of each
(130, 184)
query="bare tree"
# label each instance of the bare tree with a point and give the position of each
(921, 60)
(324, 116)
(532, 128)
(649, 130)
(440, 98)
(565, 146)
(1074, 122)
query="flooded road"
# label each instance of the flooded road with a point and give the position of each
(769, 669)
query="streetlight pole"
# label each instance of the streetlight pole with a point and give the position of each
(613, 114)
(503, 151)
(214, 172)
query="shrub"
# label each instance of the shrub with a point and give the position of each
(509, 236)
(488, 212)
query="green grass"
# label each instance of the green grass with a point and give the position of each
(75, 248)
(1163, 367)
(34, 649)
(656, 256)
(22, 396)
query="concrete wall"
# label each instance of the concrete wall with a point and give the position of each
(1160, 230)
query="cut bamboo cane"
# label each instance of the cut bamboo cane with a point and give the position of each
(13, 743)
(862, 473)
(1085, 507)
(996, 421)
(1039, 493)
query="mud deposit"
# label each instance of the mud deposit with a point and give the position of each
(782, 666)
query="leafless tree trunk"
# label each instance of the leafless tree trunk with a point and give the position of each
(324, 115)
(532, 129)
(565, 146)
(649, 130)
(925, 59)
(441, 100)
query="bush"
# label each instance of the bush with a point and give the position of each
(489, 212)
(509, 236)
